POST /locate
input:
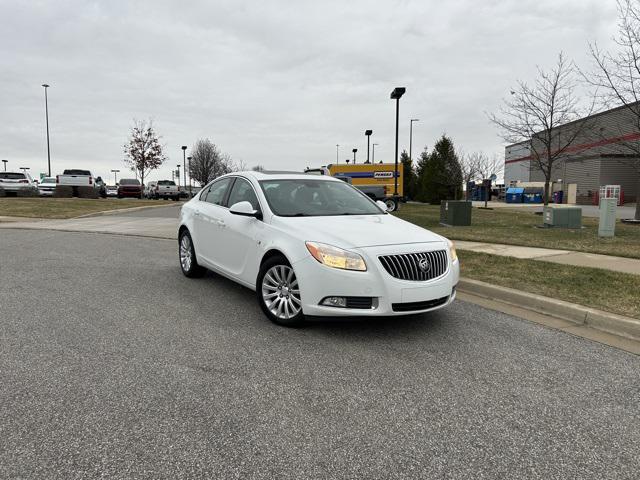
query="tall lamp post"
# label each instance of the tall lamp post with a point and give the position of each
(5, 164)
(178, 177)
(184, 165)
(411, 136)
(337, 150)
(115, 176)
(396, 95)
(46, 114)
(354, 155)
(373, 152)
(368, 134)
(189, 158)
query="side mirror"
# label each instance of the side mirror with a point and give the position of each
(382, 205)
(245, 209)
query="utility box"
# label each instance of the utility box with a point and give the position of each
(455, 213)
(607, 225)
(563, 217)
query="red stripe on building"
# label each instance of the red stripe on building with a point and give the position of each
(587, 146)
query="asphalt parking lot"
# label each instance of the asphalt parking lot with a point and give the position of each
(115, 365)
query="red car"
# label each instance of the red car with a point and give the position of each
(129, 187)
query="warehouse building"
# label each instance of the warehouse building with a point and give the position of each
(599, 156)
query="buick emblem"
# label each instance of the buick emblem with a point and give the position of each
(424, 265)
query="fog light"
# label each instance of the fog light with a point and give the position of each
(335, 302)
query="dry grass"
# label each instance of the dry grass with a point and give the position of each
(64, 207)
(519, 228)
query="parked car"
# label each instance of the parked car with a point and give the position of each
(75, 178)
(14, 183)
(47, 187)
(111, 190)
(129, 187)
(162, 189)
(314, 246)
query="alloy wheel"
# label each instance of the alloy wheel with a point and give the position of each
(185, 253)
(281, 293)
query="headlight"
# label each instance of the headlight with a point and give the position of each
(452, 251)
(336, 257)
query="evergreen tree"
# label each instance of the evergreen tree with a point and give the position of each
(440, 173)
(408, 176)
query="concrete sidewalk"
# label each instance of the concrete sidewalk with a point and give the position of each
(566, 257)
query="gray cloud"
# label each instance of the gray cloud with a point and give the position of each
(275, 83)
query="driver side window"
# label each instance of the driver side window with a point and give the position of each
(242, 191)
(217, 191)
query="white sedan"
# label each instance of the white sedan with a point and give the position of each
(311, 245)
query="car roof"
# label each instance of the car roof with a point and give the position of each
(283, 175)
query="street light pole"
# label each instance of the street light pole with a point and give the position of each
(396, 95)
(368, 134)
(337, 150)
(411, 136)
(184, 165)
(189, 158)
(5, 164)
(178, 177)
(115, 176)
(354, 155)
(373, 152)
(46, 113)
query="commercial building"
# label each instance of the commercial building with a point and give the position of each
(600, 155)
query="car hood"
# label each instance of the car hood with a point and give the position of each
(356, 231)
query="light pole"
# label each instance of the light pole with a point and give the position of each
(46, 113)
(373, 152)
(24, 169)
(178, 177)
(115, 176)
(5, 164)
(411, 136)
(395, 95)
(368, 134)
(354, 155)
(189, 158)
(337, 150)
(184, 165)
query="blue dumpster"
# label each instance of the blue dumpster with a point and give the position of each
(514, 195)
(532, 195)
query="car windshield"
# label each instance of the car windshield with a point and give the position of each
(129, 181)
(12, 176)
(48, 180)
(311, 198)
(166, 182)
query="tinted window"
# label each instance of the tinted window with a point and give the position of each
(243, 191)
(216, 192)
(77, 172)
(166, 182)
(308, 198)
(129, 181)
(12, 176)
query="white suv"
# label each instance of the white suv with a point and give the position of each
(17, 183)
(314, 245)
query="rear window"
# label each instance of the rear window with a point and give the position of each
(129, 181)
(12, 176)
(77, 172)
(166, 182)
(48, 180)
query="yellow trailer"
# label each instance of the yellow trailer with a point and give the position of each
(377, 180)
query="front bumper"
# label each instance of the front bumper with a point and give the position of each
(318, 281)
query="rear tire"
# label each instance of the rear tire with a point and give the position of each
(187, 256)
(278, 293)
(392, 204)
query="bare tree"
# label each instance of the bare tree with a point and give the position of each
(143, 150)
(617, 82)
(258, 168)
(208, 162)
(535, 112)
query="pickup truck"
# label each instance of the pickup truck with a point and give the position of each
(75, 178)
(162, 189)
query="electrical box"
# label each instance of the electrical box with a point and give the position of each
(563, 217)
(455, 213)
(607, 224)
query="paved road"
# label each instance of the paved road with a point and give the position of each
(112, 364)
(172, 210)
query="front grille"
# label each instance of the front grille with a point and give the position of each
(415, 306)
(418, 267)
(360, 302)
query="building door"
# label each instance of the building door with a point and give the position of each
(572, 192)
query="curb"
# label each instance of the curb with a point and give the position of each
(120, 210)
(607, 322)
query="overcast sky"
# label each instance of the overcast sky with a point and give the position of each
(276, 83)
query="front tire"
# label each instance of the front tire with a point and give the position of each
(392, 204)
(278, 292)
(187, 256)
